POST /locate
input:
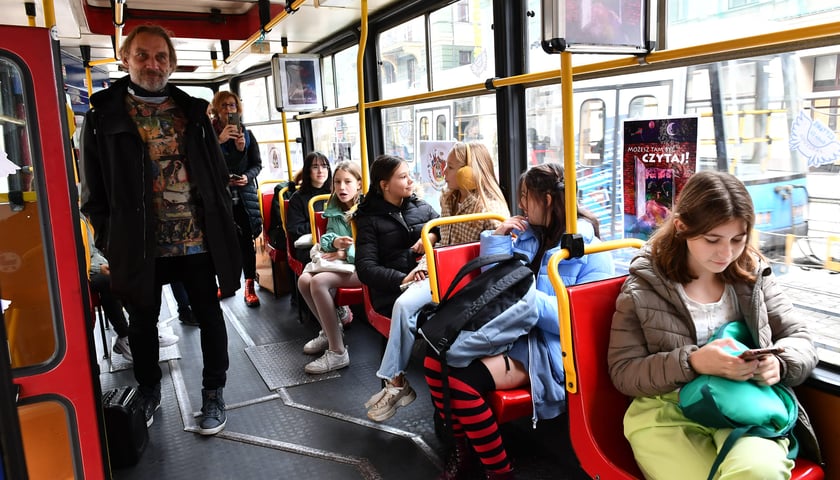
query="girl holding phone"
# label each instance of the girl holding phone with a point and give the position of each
(242, 156)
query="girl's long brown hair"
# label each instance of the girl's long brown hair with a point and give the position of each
(708, 199)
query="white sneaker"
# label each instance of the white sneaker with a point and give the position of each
(344, 314)
(384, 404)
(317, 344)
(167, 339)
(328, 362)
(121, 347)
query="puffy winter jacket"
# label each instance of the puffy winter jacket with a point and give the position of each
(249, 164)
(384, 236)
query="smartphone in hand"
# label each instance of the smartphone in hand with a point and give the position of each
(755, 353)
(234, 119)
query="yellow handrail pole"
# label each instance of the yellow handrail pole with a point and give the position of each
(360, 80)
(312, 201)
(428, 248)
(267, 27)
(88, 81)
(49, 14)
(286, 135)
(566, 96)
(564, 317)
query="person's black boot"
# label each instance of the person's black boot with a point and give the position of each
(462, 462)
(213, 417)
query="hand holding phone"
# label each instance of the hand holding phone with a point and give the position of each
(754, 353)
(234, 119)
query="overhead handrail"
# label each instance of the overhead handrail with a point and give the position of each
(776, 42)
(259, 35)
(428, 248)
(563, 309)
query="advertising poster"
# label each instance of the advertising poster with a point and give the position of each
(659, 156)
(430, 171)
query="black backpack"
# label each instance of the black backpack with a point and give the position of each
(482, 299)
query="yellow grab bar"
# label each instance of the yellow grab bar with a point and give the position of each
(260, 194)
(428, 248)
(563, 307)
(312, 201)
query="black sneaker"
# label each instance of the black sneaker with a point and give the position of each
(187, 317)
(151, 404)
(213, 418)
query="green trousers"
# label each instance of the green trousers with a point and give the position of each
(668, 446)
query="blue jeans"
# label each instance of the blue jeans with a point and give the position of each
(403, 326)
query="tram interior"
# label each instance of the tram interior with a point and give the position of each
(283, 423)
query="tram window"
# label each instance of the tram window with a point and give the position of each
(328, 81)
(347, 89)
(826, 76)
(254, 94)
(23, 274)
(591, 133)
(337, 137)
(45, 431)
(645, 106)
(450, 36)
(424, 128)
(544, 125)
(440, 128)
(198, 91)
(402, 59)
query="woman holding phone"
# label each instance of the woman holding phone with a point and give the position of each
(242, 156)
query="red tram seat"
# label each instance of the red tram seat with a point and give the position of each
(343, 296)
(507, 405)
(379, 322)
(596, 410)
(276, 283)
(294, 263)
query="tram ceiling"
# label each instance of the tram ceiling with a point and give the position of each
(199, 27)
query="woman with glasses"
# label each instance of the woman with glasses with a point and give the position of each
(242, 156)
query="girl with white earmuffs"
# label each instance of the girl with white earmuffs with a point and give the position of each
(471, 188)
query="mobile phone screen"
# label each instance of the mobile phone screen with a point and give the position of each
(233, 119)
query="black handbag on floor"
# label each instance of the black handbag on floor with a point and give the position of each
(125, 425)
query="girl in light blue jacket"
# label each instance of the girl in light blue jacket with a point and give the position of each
(533, 358)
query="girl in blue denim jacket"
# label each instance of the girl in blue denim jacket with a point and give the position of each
(533, 358)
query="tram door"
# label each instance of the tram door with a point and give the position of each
(50, 427)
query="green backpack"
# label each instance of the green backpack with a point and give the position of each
(746, 407)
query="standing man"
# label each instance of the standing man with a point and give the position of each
(154, 185)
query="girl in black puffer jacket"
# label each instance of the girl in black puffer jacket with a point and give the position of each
(388, 223)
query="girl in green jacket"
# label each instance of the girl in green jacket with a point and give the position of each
(317, 287)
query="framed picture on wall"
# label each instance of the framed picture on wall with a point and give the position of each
(297, 82)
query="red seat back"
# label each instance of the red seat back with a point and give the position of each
(320, 224)
(294, 264)
(596, 411)
(450, 259)
(266, 197)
